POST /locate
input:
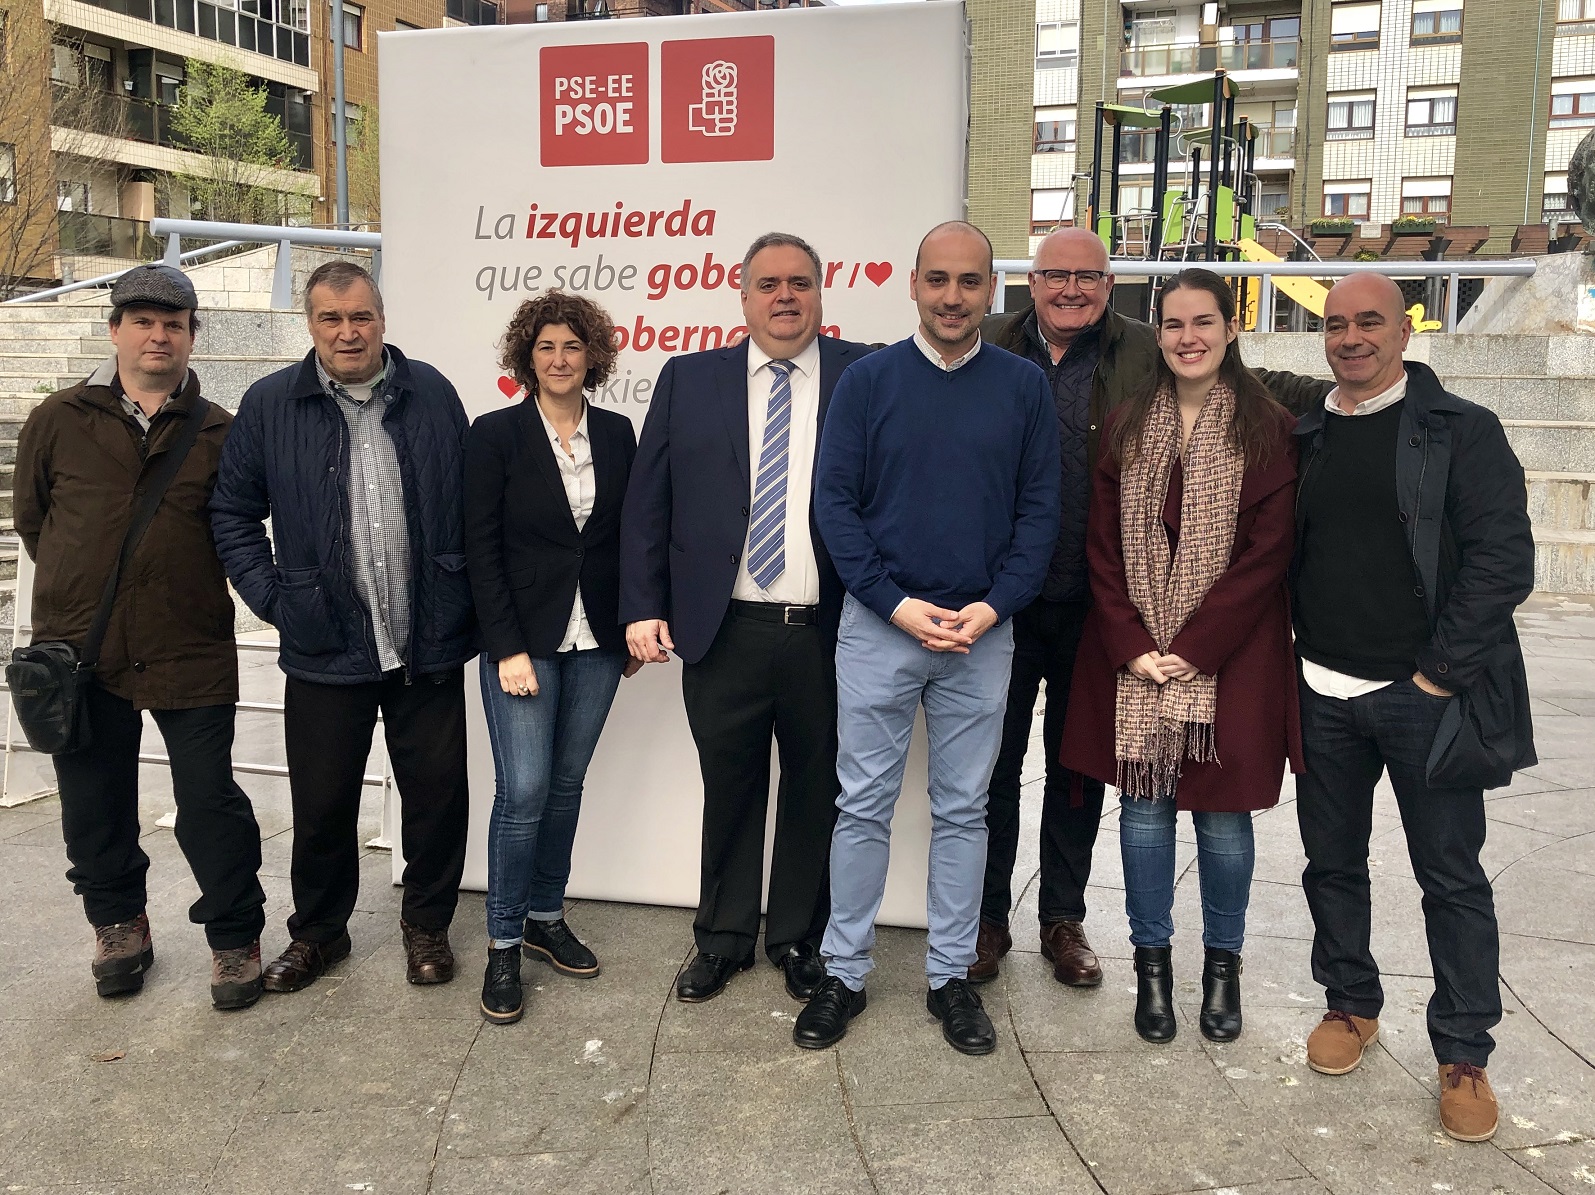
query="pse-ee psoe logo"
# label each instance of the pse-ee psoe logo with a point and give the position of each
(717, 97)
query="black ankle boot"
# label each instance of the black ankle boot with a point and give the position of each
(1221, 996)
(1154, 994)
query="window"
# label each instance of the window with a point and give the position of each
(1274, 200)
(541, 13)
(1050, 210)
(474, 12)
(1572, 103)
(2, 39)
(353, 24)
(353, 125)
(71, 197)
(1557, 200)
(167, 89)
(1354, 26)
(1055, 131)
(1431, 111)
(64, 67)
(1575, 17)
(1347, 199)
(1436, 22)
(1350, 116)
(1426, 197)
(1057, 44)
(8, 173)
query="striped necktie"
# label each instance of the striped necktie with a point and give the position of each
(767, 537)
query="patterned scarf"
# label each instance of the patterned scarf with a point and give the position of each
(1156, 726)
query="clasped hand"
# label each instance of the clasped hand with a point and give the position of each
(944, 630)
(1161, 667)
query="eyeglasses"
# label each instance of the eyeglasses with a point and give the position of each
(1084, 279)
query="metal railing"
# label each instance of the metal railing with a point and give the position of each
(1452, 271)
(40, 296)
(285, 238)
(1279, 54)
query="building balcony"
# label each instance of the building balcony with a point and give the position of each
(85, 234)
(120, 116)
(1169, 61)
(1274, 145)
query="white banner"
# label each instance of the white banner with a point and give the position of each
(633, 161)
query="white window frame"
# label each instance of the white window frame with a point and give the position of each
(1347, 193)
(1347, 103)
(1354, 25)
(1421, 101)
(1057, 44)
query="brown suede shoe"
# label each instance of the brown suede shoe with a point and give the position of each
(1064, 945)
(1337, 1045)
(303, 963)
(235, 976)
(428, 956)
(1468, 1111)
(122, 953)
(993, 943)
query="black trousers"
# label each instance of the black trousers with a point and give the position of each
(758, 679)
(1046, 636)
(216, 828)
(328, 731)
(1347, 745)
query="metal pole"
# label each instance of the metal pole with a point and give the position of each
(1213, 169)
(1096, 170)
(1453, 285)
(174, 251)
(339, 131)
(1113, 190)
(1160, 183)
(1265, 305)
(282, 278)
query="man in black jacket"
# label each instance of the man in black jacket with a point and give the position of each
(356, 455)
(1094, 359)
(1413, 549)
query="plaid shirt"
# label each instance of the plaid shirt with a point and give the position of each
(379, 532)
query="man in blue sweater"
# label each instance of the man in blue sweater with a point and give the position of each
(937, 496)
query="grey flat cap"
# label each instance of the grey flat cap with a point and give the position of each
(156, 286)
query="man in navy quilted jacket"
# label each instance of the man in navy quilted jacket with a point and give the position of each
(355, 456)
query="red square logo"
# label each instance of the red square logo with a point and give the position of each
(719, 100)
(594, 105)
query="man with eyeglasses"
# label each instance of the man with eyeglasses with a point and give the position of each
(1094, 359)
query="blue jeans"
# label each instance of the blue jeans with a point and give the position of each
(882, 677)
(1224, 858)
(542, 745)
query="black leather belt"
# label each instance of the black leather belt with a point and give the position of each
(792, 616)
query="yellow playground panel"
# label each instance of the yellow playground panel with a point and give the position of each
(1309, 292)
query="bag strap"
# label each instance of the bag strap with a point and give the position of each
(154, 490)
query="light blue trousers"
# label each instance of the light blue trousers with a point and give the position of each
(883, 675)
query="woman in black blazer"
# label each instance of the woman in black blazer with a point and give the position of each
(544, 481)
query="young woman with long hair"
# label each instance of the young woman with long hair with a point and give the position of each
(1184, 693)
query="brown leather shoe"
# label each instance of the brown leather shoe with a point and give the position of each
(1337, 1045)
(1468, 1111)
(427, 950)
(992, 944)
(303, 963)
(1064, 945)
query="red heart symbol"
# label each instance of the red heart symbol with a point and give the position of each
(878, 271)
(509, 386)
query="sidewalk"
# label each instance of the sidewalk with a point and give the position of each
(363, 1083)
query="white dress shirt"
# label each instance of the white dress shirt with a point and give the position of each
(935, 358)
(799, 583)
(1326, 681)
(576, 473)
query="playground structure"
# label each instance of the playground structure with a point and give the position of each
(1208, 215)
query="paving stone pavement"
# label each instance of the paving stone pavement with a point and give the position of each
(363, 1083)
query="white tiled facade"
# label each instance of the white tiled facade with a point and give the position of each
(1057, 96)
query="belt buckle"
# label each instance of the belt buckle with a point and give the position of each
(786, 615)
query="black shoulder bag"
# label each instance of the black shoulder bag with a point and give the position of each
(49, 681)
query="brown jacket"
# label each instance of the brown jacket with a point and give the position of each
(80, 469)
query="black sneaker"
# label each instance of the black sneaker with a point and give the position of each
(502, 1002)
(964, 1022)
(824, 1019)
(562, 950)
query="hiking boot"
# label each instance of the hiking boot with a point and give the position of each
(428, 958)
(122, 953)
(1468, 1111)
(1337, 1045)
(235, 980)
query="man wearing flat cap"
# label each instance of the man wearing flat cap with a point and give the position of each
(84, 461)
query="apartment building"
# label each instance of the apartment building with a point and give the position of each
(1460, 112)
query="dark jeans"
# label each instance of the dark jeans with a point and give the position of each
(760, 679)
(1046, 636)
(216, 828)
(327, 730)
(542, 745)
(1348, 744)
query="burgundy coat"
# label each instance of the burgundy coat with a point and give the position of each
(1241, 632)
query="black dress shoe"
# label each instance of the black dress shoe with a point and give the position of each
(964, 1022)
(803, 970)
(501, 986)
(303, 963)
(707, 975)
(823, 1021)
(562, 950)
(1221, 996)
(1154, 994)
